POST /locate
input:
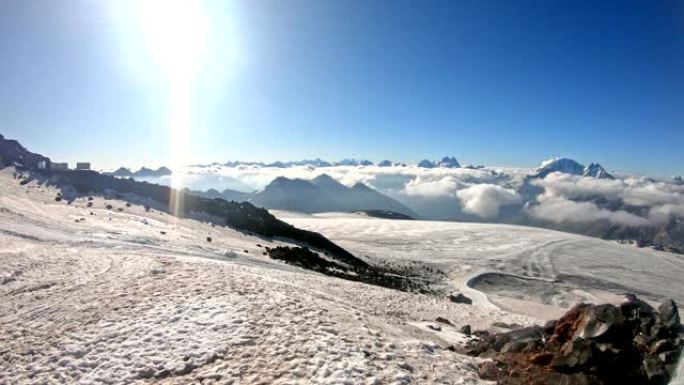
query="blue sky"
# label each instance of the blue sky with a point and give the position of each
(495, 83)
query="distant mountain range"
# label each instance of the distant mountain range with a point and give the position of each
(447, 161)
(325, 194)
(321, 194)
(144, 172)
(227, 194)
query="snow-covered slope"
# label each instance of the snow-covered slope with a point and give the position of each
(524, 269)
(92, 295)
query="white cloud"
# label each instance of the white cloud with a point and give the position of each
(432, 187)
(480, 191)
(559, 210)
(631, 191)
(663, 213)
(485, 200)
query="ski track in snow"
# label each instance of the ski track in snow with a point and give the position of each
(111, 300)
(526, 270)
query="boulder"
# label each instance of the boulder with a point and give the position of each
(669, 314)
(574, 355)
(460, 298)
(630, 344)
(655, 371)
(597, 321)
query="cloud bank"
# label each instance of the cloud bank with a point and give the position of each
(570, 197)
(485, 200)
(558, 198)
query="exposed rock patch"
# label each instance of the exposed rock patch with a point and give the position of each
(628, 344)
(374, 275)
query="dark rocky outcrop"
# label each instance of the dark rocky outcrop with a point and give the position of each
(371, 274)
(460, 298)
(386, 214)
(11, 151)
(630, 344)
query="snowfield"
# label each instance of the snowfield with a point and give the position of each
(98, 296)
(524, 270)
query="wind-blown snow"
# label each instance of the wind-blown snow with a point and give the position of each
(107, 298)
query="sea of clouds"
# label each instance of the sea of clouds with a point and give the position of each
(486, 194)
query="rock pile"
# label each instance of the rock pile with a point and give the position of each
(629, 344)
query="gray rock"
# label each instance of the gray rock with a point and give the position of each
(460, 298)
(466, 330)
(661, 346)
(669, 314)
(527, 334)
(435, 327)
(633, 307)
(522, 336)
(598, 321)
(574, 355)
(655, 371)
(514, 347)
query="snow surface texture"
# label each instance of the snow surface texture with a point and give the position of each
(108, 299)
(522, 269)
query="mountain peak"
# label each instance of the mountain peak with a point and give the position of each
(597, 171)
(361, 186)
(448, 162)
(122, 171)
(426, 163)
(563, 165)
(328, 183)
(323, 178)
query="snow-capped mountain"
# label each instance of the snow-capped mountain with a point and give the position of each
(562, 165)
(445, 162)
(597, 171)
(353, 162)
(572, 167)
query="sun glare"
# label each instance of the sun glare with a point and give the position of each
(175, 34)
